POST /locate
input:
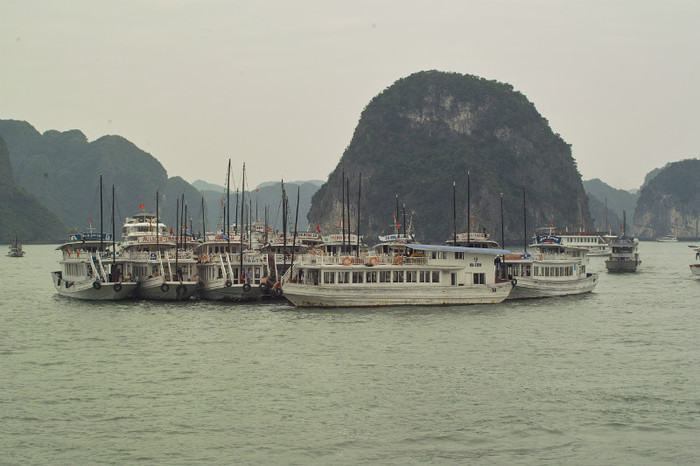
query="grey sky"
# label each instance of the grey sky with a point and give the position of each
(281, 84)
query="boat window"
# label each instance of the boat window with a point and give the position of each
(398, 276)
(357, 277)
(479, 278)
(411, 276)
(453, 277)
(328, 277)
(385, 276)
(371, 277)
(459, 255)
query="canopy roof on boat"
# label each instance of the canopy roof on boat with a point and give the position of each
(433, 247)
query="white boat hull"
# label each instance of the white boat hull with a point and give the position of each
(533, 287)
(157, 289)
(394, 295)
(88, 290)
(218, 291)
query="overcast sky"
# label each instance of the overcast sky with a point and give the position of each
(280, 84)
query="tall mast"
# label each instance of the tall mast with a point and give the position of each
(157, 229)
(359, 200)
(347, 197)
(242, 217)
(101, 228)
(342, 219)
(204, 229)
(296, 224)
(454, 214)
(284, 227)
(524, 222)
(227, 220)
(503, 240)
(114, 246)
(177, 229)
(396, 215)
(469, 216)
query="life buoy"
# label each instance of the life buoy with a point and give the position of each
(347, 261)
(373, 260)
(514, 282)
(228, 283)
(246, 287)
(117, 287)
(398, 260)
(278, 292)
(164, 287)
(96, 285)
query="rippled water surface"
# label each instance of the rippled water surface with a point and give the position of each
(612, 377)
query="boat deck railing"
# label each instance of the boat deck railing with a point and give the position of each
(367, 260)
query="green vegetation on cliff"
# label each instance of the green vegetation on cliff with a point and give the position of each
(62, 170)
(669, 202)
(426, 131)
(21, 213)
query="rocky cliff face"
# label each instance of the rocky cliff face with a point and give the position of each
(62, 170)
(20, 213)
(427, 131)
(670, 202)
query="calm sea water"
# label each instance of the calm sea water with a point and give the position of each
(612, 377)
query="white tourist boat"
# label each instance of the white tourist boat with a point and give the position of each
(553, 270)
(695, 268)
(227, 275)
(597, 243)
(428, 275)
(89, 270)
(16, 249)
(624, 256)
(163, 269)
(667, 239)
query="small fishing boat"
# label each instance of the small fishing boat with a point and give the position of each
(16, 249)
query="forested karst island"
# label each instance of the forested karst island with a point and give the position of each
(429, 130)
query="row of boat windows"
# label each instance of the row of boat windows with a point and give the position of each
(386, 276)
(583, 239)
(554, 271)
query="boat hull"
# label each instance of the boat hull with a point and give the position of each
(157, 289)
(218, 291)
(87, 290)
(530, 287)
(695, 269)
(622, 266)
(302, 295)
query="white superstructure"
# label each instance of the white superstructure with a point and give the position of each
(425, 275)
